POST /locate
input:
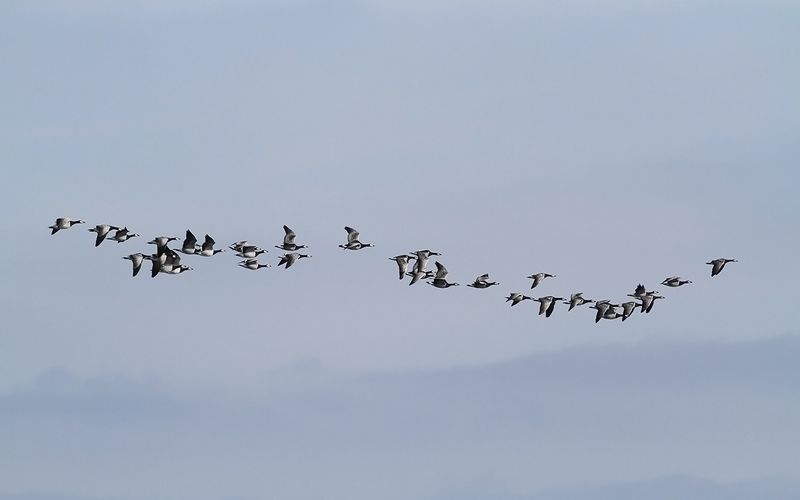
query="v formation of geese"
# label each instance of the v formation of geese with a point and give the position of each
(165, 260)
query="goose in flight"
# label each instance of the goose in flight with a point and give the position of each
(64, 223)
(121, 235)
(236, 247)
(640, 292)
(538, 277)
(628, 308)
(189, 246)
(648, 301)
(288, 241)
(291, 258)
(252, 264)
(482, 281)
(547, 305)
(101, 230)
(603, 307)
(417, 275)
(674, 281)
(576, 299)
(352, 240)
(718, 264)
(440, 279)
(422, 258)
(249, 252)
(136, 259)
(207, 250)
(163, 261)
(178, 269)
(161, 241)
(516, 297)
(402, 263)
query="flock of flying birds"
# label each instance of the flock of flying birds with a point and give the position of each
(165, 260)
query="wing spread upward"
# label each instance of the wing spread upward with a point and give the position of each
(288, 239)
(352, 234)
(441, 271)
(190, 240)
(208, 244)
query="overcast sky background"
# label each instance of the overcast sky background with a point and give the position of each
(607, 144)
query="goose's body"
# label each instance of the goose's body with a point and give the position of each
(538, 277)
(207, 250)
(516, 297)
(288, 241)
(353, 243)
(101, 230)
(648, 301)
(250, 252)
(121, 235)
(161, 241)
(402, 263)
(576, 299)
(482, 281)
(290, 258)
(640, 291)
(177, 269)
(718, 264)
(603, 307)
(628, 308)
(136, 259)
(64, 223)
(547, 305)
(675, 281)
(422, 258)
(252, 264)
(440, 279)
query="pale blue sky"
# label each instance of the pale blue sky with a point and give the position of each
(607, 143)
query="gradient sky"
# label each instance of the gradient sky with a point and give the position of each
(607, 143)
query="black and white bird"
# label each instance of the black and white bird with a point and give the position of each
(576, 299)
(402, 263)
(207, 249)
(482, 281)
(249, 252)
(538, 277)
(603, 307)
(288, 241)
(422, 258)
(121, 235)
(162, 241)
(64, 223)
(136, 259)
(674, 281)
(178, 269)
(440, 279)
(640, 292)
(353, 243)
(189, 246)
(547, 305)
(718, 264)
(628, 308)
(101, 230)
(647, 302)
(290, 258)
(236, 247)
(516, 297)
(252, 264)
(417, 275)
